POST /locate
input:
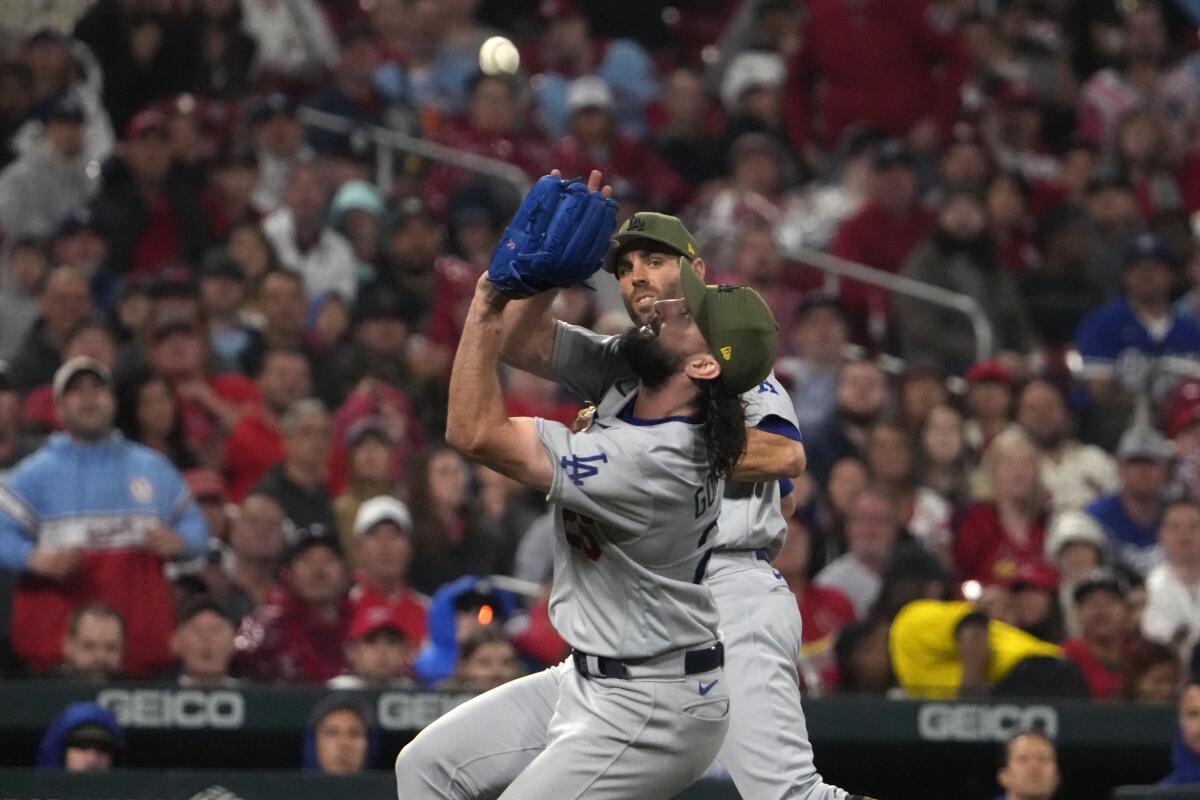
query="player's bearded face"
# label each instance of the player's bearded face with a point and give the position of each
(648, 357)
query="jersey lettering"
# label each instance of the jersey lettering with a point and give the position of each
(767, 386)
(580, 533)
(706, 495)
(580, 467)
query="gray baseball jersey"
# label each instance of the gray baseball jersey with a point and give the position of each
(637, 507)
(590, 366)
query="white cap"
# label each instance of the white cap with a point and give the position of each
(1074, 526)
(748, 71)
(589, 91)
(382, 509)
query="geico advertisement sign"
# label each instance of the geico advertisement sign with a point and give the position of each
(183, 708)
(225, 709)
(953, 722)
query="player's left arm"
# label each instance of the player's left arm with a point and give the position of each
(476, 422)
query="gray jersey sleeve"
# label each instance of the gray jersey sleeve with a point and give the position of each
(594, 474)
(585, 362)
(769, 399)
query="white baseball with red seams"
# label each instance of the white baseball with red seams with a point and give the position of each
(499, 56)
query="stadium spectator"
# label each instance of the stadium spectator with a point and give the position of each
(1152, 672)
(256, 442)
(204, 644)
(278, 140)
(1131, 516)
(106, 541)
(1172, 615)
(960, 255)
(831, 504)
(1029, 769)
(351, 94)
(872, 526)
(883, 232)
(593, 141)
(208, 490)
(863, 663)
(458, 610)
(340, 739)
(14, 443)
(150, 211)
(922, 388)
(297, 483)
(369, 453)
(85, 737)
(257, 541)
(892, 464)
(412, 243)
(1005, 527)
(64, 304)
(1059, 293)
(222, 296)
(357, 213)
(383, 530)
(685, 138)
(1185, 750)
(943, 459)
(851, 59)
(28, 263)
(486, 659)
(862, 398)
(297, 635)
(1099, 648)
(1074, 474)
(304, 242)
(451, 536)
(818, 337)
(294, 43)
(226, 51)
(94, 646)
(379, 348)
(1033, 589)
(943, 649)
(988, 402)
(45, 184)
(378, 653)
(90, 338)
(1121, 342)
(148, 413)
(824, 610)
(1076, 546)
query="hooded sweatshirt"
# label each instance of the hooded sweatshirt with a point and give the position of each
(52, 750)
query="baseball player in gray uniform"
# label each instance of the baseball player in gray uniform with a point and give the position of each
(767, 750)
(641, 707)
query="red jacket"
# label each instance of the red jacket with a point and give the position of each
(878, 238)
(982, 550)
(284, 641)
(885, 62)
(408, 607)
(1103, 680)
(253, 447)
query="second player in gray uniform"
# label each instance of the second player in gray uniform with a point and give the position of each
(641, 708)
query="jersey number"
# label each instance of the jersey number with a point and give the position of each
(580, 533)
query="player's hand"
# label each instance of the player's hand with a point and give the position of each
(593, 183)
(53, 563)
(165, 543)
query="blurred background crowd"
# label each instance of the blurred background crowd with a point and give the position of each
(191, 260)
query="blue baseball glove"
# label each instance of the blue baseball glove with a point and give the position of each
(557, 238)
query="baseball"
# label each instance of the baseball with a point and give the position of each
(499, 56)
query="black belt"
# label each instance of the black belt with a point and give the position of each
(695, 662)
(760, 553)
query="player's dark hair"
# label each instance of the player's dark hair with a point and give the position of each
(723, 416)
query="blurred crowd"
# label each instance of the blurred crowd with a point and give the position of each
(226, 327)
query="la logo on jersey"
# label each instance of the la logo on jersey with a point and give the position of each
(580, 468)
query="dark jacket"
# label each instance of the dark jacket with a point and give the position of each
(124, 215)
(36, 361)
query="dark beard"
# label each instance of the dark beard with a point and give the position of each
(648, 359)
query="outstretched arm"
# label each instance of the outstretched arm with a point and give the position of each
(476, 422)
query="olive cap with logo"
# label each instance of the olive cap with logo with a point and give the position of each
(738, 326)
(659, 228)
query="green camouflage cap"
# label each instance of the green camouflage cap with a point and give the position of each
(661, 228)
(738, 326)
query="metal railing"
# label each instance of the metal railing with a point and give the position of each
(388, 142)
(985, 340)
